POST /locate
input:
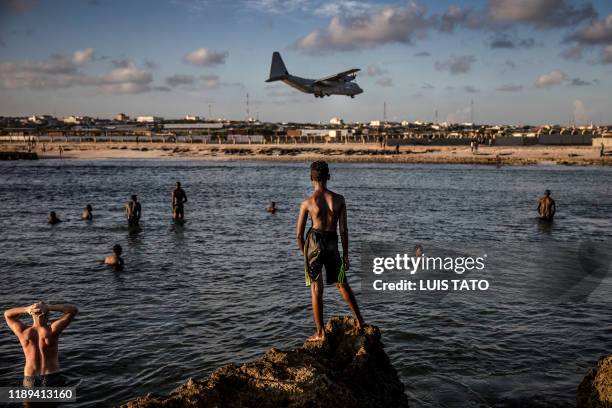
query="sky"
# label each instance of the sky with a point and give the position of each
(518, 61)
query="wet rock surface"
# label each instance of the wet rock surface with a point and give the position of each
(595, 390)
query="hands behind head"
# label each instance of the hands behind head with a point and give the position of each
(39, 308)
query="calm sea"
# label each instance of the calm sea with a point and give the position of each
(228, 284)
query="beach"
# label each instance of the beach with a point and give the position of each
(332, 152)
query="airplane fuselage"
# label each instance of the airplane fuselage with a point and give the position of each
(325, 88)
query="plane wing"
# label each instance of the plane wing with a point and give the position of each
(337, 77)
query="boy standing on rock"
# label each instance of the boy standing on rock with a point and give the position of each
(327, 210)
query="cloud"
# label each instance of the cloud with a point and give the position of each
(542, 14)
(427, 86)
(550, 79)
(210, 81)
(579, 82)
(162, 89)
(385, 26)
(572, 53)
(385, 82)
(597, 32)
(456, 64)
(149, 64)
(422, 54)
(453, 17)
(17, 6)
(65, 72)
(179, 79)
(505, 41)
(121, 63)
(470, 89)
(342, 7)
(510, 88)
(374, 70)
(205, 57)
(277, 6)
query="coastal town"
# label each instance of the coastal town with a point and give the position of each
(196, 129)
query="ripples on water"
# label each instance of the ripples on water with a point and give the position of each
(228, 284)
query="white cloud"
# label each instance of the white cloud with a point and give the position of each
(550, 79)
(205, 57)
(81, 57)
(606, 55)
(539, 13)
(387, 25)
(598, 32)
(581, 113)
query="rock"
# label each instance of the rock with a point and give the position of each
(595, 390)
(348, 369)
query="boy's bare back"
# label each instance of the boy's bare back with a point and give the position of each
(325, 209)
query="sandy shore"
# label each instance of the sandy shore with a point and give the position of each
(353, 152)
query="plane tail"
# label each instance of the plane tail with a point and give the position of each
(278, 71)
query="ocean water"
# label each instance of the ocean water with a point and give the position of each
(228, 284)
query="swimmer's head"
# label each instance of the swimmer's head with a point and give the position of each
(178, 184)
(117, 250)
(272, 204)
(89, 208)
(319, 171)
(52, 216)
(418, 250)
(134, 197)
(547, 193)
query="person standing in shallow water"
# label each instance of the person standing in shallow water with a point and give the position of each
(133, 211)
(179, 198)
(40, 341)
(546, 207)
(327, 211)
(87, 213)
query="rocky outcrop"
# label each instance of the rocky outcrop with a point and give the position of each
(595, 390)
(348, 369)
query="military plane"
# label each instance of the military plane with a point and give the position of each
(337, 84)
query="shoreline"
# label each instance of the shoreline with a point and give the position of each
(348, 153)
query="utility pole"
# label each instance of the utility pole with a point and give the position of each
(385, 111)
(209, 112)
(247, 107)
(472, 111)
(436, 115)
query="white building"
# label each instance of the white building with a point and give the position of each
(338, 133)
(192, 117)
(71, 120)
(149, 119)
(121, 117)
(375, 123)
(336, 121)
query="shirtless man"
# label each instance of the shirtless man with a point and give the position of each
(133, 210)
(87, 213)
(327, 210)
(179, 198)
(53, 218)
(115, 259)
(40, 341)
(546, 207)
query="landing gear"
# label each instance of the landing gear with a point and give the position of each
(352, 96)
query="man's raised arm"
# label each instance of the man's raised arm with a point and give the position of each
(301, 225)
(69, 311)
(12, 318)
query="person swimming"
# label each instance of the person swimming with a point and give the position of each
(272, 207)
(40, 341)
(87, 213)
(327, 211)
(179, 198)
(53, 218)
(133, 211)
(546, 207)
(115, 259)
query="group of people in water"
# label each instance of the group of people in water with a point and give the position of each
(319, 247)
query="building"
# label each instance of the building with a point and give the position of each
(149, 119)
(72, 120)
(192, 117)
(122, 117)
(375, 123)
(336, 121)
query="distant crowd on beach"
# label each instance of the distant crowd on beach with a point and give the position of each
(318, 246)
